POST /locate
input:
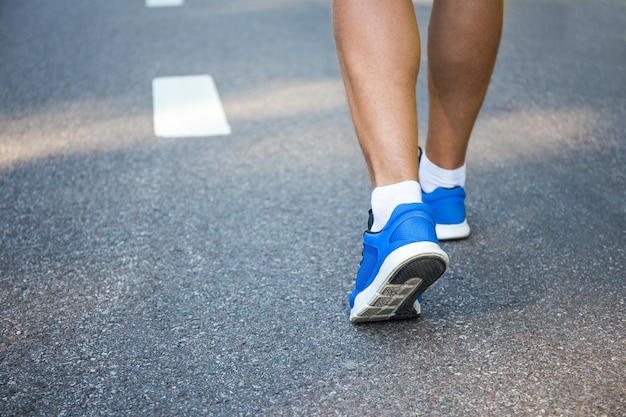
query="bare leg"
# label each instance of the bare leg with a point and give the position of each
(463, 41)
(378, 45)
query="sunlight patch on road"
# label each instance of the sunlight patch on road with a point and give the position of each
(287, 100)
(515, 137)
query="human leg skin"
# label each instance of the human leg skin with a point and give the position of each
(378, 46)
(463, 40)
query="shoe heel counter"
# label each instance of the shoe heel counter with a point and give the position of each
(448, 206)
(414, 228)
(452, 213)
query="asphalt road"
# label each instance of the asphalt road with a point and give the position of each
(146, 276)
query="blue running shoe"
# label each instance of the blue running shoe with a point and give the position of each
(399, 263)
(448, 207)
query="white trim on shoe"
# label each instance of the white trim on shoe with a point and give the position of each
(452, 231)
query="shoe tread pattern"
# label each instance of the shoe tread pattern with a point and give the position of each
(395, 299)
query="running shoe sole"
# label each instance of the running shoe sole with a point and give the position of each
(405, 274)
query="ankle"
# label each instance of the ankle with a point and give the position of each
(385, 199)
(432, 176)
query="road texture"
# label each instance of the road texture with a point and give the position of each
(145, 276)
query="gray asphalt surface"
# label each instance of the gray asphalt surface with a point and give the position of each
(142, 276)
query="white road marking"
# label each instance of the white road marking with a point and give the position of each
(164, 3)
(188, 106)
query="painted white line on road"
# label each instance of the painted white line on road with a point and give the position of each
(164, 3)
(187, 106)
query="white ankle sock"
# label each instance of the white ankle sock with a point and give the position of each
(385, 199)
(431, 176)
